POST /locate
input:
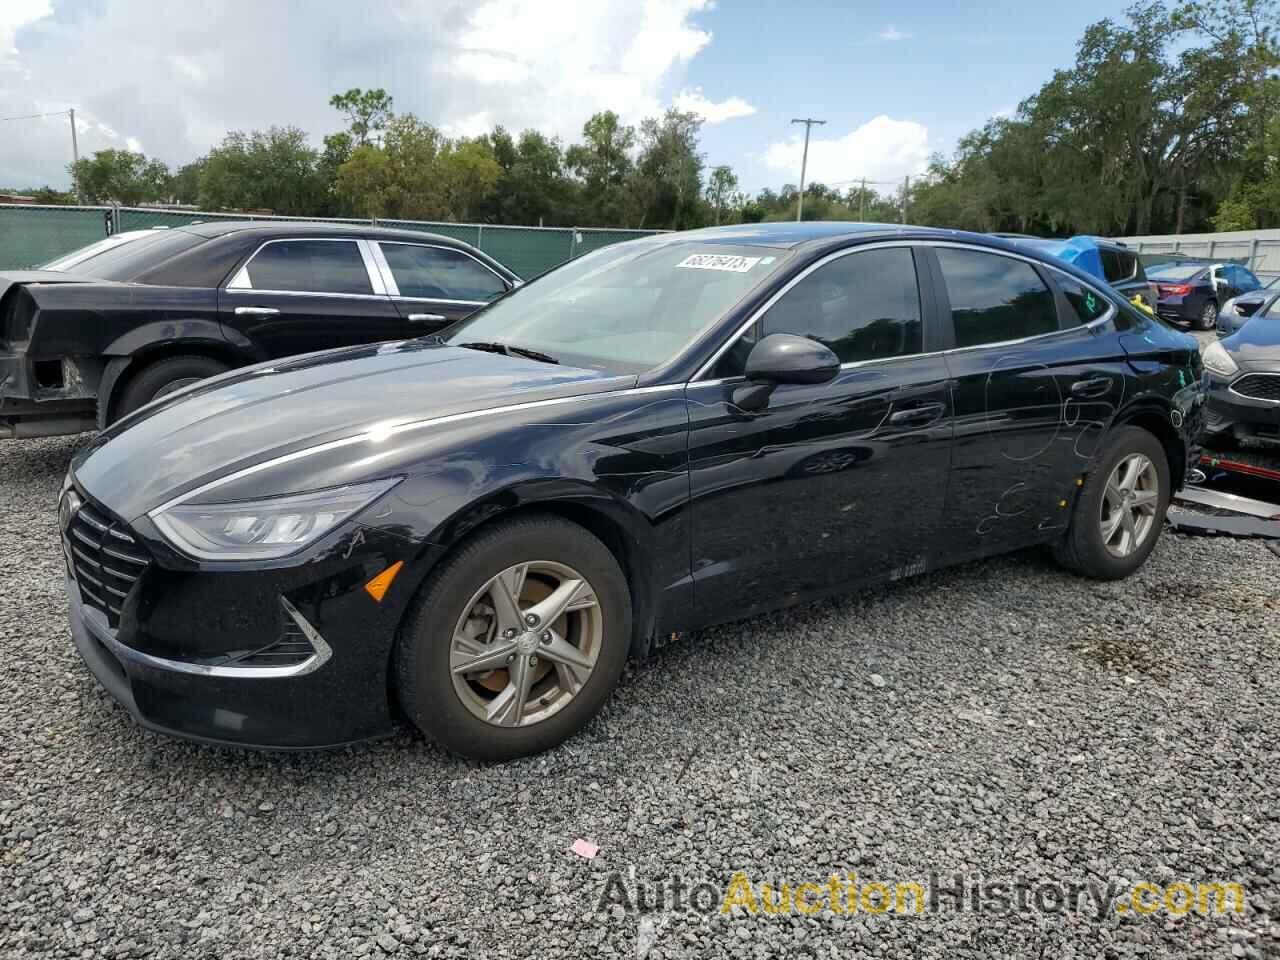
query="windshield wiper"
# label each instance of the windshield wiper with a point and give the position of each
(509, 350)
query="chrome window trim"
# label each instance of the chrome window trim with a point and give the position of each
(764, 308)
(240, 282)
(394, 288)
(463, 303)
(381, 433)
(755, 317)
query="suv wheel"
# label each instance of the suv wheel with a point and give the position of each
(1120, 511)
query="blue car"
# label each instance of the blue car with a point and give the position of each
(1108, 260)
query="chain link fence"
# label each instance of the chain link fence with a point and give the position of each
(31, 235)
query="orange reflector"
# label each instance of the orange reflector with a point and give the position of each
(378, 586)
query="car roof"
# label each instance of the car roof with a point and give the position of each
(310, 228)
(793, 234)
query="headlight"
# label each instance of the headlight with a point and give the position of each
(263, 529)
(1217, 359)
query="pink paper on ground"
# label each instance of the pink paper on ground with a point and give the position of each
(584, 849)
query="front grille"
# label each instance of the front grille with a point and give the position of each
(106, 558)
(1259, 386)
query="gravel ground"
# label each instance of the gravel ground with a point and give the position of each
(1001, 719)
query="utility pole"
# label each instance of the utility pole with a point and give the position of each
(75, 150)
(906, 188)
(804, 161)
(862, 202)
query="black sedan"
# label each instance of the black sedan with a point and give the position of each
(1237, 311)
(105, 330)
(1193, 291)
(475, 531)
(1244, 377)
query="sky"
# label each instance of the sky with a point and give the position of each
(894, 82)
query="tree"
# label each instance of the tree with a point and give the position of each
(670, 161)
(120, 176)
(468, 173)
(720, 189)
(533, 187)
(367, 111)
(603, 163)
(271, 169)
(184, 186)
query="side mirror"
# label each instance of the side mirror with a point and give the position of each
(786, 358)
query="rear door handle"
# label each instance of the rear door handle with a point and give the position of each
(426, 317)
(1091, 388)
(256, 311)
(923, 414)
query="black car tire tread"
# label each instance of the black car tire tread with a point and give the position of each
(1204, 322)
(421, 668)
(1081, 549)
(151, 379)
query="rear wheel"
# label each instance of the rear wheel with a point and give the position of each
(517, 641)
(1208, 316)
(164, 377)
(1120, 511)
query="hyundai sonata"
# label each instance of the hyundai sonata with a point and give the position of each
(473, 531)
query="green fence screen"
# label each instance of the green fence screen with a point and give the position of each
(32, 235)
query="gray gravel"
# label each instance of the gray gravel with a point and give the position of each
(1002, 718)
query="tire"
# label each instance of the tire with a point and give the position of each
(1208, 316)
(446, 705)
(1083, 548)
(164, 376)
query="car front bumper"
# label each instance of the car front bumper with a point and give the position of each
(1227, 412)
(173, 653)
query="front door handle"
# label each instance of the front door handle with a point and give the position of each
(256, 311)
(918, 416)
(426, 317)
(1096, 387)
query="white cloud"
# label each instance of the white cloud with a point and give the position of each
(892, 33)
(881, 149)
(175, 80)
(695, 101)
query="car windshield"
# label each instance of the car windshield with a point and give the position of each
(125, 255)
(628, 307)
(1174, 271)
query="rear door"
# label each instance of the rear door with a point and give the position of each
(1038, 373)
(296, 295)
(831, 483)
(433, 286)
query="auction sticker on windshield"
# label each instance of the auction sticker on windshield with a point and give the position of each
(718, 261)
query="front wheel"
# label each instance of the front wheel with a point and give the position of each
(1209, 316)
(1120, 511)
(517, 641)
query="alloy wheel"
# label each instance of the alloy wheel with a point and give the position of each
(1129, 505)
(1209, 316)
(526, 643)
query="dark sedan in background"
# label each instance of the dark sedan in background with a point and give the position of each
(102, 331)
(474, 532)
(1193, 291)
(1244, 392)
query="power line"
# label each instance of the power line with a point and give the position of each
(36, 116)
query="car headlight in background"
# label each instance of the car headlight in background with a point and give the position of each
(1217, 359)
(263, 529)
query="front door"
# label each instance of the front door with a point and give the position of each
(824, 485)
(1038, 374)
(299, 295)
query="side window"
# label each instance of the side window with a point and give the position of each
(864, 306)
(310, 266)
(438, 273)
(1086, 304)
(995, 298)
(1118, 266)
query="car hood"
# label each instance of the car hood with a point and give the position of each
(243, 418)
(1256, 345)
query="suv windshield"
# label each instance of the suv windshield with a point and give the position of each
(1175, 271)
(124, 256)
(628, 307)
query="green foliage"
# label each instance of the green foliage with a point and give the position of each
(367, 111)
(271, 169)
(120, 176)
